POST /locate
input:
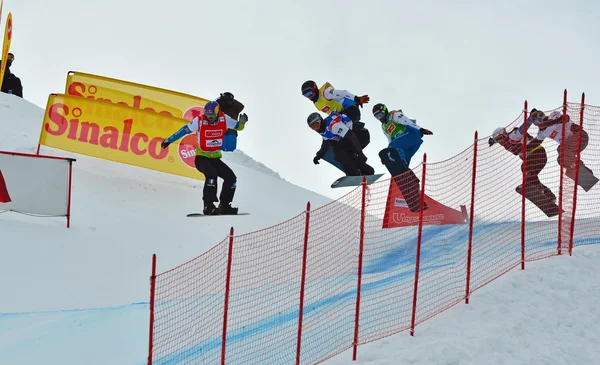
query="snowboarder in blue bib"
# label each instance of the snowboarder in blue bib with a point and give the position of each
(336, 132)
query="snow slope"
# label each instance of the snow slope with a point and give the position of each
(79, 295)
(121, 215)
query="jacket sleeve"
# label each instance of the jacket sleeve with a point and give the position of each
(192, 126)
(234, 124)
(324, 147)
(402, 119)
(338, 95)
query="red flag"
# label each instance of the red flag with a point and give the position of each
(4, 197)
(397, 213)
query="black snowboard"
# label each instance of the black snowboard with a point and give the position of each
(217, 215)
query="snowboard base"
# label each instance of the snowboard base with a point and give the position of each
(586, 178)
(354, 180)
(218, 215)
(544, 203)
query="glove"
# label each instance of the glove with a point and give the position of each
(243, 118)
(164, 144)
(360, 100)
(425, 131)
(316, 160)
(491, 142)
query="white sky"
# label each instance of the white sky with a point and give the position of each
(454, 66)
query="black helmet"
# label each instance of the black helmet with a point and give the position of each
(314, 118)
(310, 90)
(380, 112)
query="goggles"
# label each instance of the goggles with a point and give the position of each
(309, 93)
(315, 125)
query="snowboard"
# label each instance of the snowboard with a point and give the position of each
(354, 180)
(536, 196)
(586, 178)
(218, 215)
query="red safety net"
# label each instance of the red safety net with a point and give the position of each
(370, 264)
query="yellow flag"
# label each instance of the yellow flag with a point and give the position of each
(6, 45)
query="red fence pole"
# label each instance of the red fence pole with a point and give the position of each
(576, 175)
(471, 213)
(361, 246)
(152, 291)
(418, 258)
(524, 187)
(226, 305)
(301, 310)
(561, 163)
(70, 160)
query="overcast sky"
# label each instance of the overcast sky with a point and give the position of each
(455, 66)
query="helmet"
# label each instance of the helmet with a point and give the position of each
(555, 115)
(497, 132)
(310, 89)
(211, 110)
(314, 118)
(380, 111)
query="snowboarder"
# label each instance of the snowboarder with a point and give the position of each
(337, 134)
(404, 139)
(551, 127)
(536, 159)
(213, 123)
(327, 99)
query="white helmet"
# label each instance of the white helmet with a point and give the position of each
(555, 115)
(498, 131)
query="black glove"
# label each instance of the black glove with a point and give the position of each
(425, 131)
(491, 141)
(316, 160)
(164, 144)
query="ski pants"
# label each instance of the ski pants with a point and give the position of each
(572, 150)
(536, 161)
(213, 168)
(407, 144)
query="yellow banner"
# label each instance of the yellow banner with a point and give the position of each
(118, 133)
(6, 46)
(134, 95)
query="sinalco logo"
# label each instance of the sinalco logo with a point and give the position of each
(187, 145)
(187, 149)
(191, 113)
